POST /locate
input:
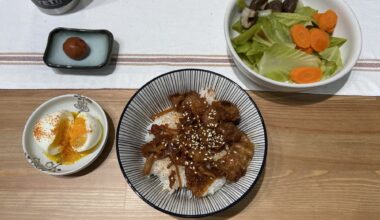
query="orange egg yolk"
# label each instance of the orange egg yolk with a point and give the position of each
(78, 133)
(70, 137)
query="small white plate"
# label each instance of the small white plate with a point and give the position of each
(72, 103)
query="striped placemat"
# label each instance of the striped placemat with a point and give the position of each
(163, 59)
(152, 38)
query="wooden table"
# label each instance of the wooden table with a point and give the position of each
(323, 163)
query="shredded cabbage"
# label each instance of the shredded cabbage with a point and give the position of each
(282, 58)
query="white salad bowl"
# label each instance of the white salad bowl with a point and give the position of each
(348, 27)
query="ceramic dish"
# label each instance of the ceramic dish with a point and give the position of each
(100, 43)
(153, 98)
(72, 103)
(348, 27)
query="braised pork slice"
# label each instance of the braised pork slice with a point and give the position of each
(235, 163)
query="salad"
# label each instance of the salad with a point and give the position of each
(287, 41)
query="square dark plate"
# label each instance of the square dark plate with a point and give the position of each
(99, 41)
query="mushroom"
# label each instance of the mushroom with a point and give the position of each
(249, 15)
(257, 4)
(289, 6)
(275, 6)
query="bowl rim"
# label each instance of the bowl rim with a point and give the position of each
(101, 145)
(80, 30)
(338, 75)
(206, 214)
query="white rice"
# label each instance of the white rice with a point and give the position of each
(170, 118)
(208, 94)
(160, 167)
(215, 186)
(161, 170)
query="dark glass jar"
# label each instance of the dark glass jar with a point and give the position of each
(55, 7)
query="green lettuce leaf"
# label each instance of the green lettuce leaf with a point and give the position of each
(247, 35)
(336, 41)
(260, 38)
(256, 52)
(278, 76)
(307, 11)
(328, 68)
(290, 19)
(276, 32)
(282, 58)
(257, 48)
(254, 59)
(272, 32)
(332, 61)
(248, 62)
(238, 27)
(243, 48)
(241, 4)
(332, 54)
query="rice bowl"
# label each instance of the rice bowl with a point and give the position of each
(132, 133)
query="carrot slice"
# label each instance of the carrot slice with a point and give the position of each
(300, 35)
(302, 75)
(316, 17)
(306, 50)
(330, 31)
(319, 40)
(328, 20)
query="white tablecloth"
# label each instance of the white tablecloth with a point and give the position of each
(153, 37)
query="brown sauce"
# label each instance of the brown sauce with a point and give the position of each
(161, 113)
(204, 131)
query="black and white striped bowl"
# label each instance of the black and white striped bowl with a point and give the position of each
(153, 98)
